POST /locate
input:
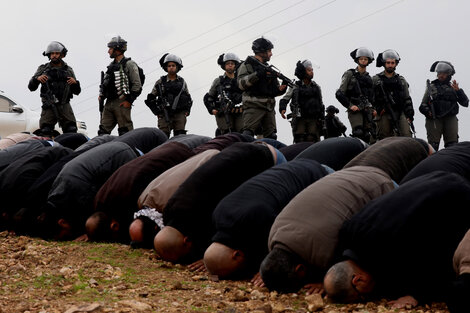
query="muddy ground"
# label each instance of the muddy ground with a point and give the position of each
(42, 276)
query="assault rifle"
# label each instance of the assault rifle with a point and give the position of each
(295, 114)
(163, 104)
(51, 101)
(389, 104)
(431, 103)
(272, 69)
(226, 105)
(102, 96)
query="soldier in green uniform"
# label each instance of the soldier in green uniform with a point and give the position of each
(170, 97)
(58, 85)
(260, 87)
(334, 126)
(392, 99)
(440, 105)
(224, 97)
(121, 86)
(356, 94)
(308, 111)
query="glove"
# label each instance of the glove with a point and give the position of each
(283, 105)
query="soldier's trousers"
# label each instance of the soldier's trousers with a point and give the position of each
(176, 123)
(385, 126)
(65, 116)
(236, 123)
(447, 127)
(114, 113)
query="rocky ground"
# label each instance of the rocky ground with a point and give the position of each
(41, 276)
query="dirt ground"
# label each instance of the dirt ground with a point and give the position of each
(41, 276)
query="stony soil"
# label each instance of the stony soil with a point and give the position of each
(41, 276)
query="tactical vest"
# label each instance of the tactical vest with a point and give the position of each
(444, 99)
(266, 86)
(365, 84)
(57, 83)
(307, 97)
(229, 85)
(392, 86)
(109, 84)
(171, 89)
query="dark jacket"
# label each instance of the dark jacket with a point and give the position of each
(445, 100)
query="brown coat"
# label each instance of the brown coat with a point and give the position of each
(462, 256)
(308, 226)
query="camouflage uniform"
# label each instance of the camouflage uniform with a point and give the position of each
(397, 88)
(307, 109)
(113, 112)
(258, 98)
(213, 98)
(57, 87)
(445, 104)
(177, 112)
(349, 94)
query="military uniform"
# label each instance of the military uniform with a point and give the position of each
(307, 110)
(334, 127)
(445, 104)
(395, 88)
(172, 112)
(258, 96)
(213, 101)
(356, 89)
(121, 83)
(55, 96)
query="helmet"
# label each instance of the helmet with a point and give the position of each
(443, 67)
(228, 57)
(332, 108)
(168, 57)
(55, 46)
(362, 52)
(301, 67)
(261, 45)
(118, 43)
(387, 54)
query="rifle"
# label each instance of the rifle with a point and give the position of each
(389, 103)
(272, 69)
(163, 104)
(295, 114)
(366, 107)
(226, 105)
(431, 103)
(50, 101)
(413, 130)
(102, 96)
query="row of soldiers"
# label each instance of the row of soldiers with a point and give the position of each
(243, 98)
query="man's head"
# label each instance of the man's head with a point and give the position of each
(116, 47)
(262, 47)
(171, 63)
(101, 227)
(346, 282)
(171, 245)
(362, 56)
(283, 271)
(304, 70)
(223, 261)
(228, 62)
(389, 60)
(332, 110)
(444, 70)
(55, 51)
(53, 226)
(142, 232)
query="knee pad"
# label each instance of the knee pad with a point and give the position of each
(122, 130)
(102, 131)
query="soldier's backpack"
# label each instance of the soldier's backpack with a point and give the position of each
(141, 71)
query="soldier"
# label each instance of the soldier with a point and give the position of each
(260, 87)
(393, 104)
(224, 97)
(174, 101)
(121, 86)
(308, 111)
(356, 95)
(440, 105)
(58, 85)
(334, 127)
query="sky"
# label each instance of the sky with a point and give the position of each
(325, 32)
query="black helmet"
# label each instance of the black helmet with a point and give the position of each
(443, 67)
(168, 57)
(228, 57)
(332, 109)
(387, 54)
(118, 43)
(261, 45)
(362, 52)
(55, 46)
(301, 67)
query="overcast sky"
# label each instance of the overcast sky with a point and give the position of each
(326, 31)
